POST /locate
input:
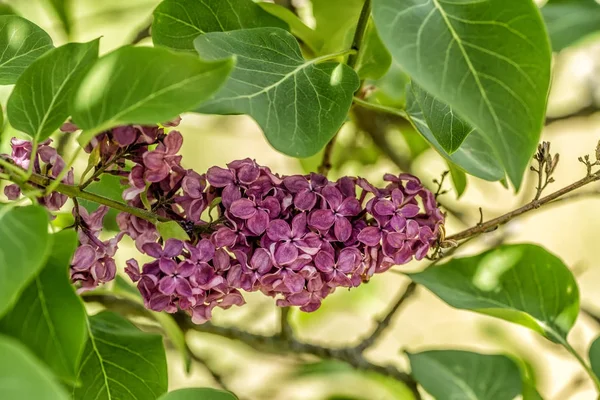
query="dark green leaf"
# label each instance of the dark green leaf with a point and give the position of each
(523, 283)
(198, 394)
(459, 179)
(39, 103)
(375, 60)
(568, 21)
(299, 104)
(391, 88)
(595, 356)
(178, 22)
(121, 362)
(21, 42)
(23, 377)
(489, 60)
(297, 27)
(108, 186)
(49, 317)
(475, 156)
(62, 10)
(6, 9)
(24, 247)
(453, 374)
(160, 84)
(171, 230)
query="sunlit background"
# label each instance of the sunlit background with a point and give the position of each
(568, 229)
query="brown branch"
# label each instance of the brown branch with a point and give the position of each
(326, 165)
(385, 322)
(274, 344)
(583, 112)
(492, 224)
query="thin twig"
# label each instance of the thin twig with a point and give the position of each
(286, 329)
(326, 164)
(385, 322)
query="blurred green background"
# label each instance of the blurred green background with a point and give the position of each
(569, 229)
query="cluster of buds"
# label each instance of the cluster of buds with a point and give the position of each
(295, 238)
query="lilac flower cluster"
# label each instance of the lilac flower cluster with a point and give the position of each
(295, 238)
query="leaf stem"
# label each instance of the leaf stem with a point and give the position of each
(381, 108)
(359, 34)
(579, 359)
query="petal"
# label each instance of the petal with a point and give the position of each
(412, 229)
(225, 237)
(206, 250)
(125, 135)
(167, 285)
(398, 223)
(321, 219)
(410, 210)
(333, 196)
(299, 299)
(173, 248)
(295, 183)
(201, 314)
(342, 228)
(186, 268)
(348, 260)
(305, 200)
(221, 260)
(230, 194)
(219, 177)
(182, 287)
(167, 265)
(350, 207)
(272, 206)
(396, 239)
(261, 261)
(84, 257)
(157, 175)
(159, 302)
(12, 192)
(279, 230)
(233, 298)
(248, 173)
(285, 253)
(371, 236)
(258, 223)
(347, 186)
(324, 261)
(153, 250)
(243, 208)
(397, 197)
(384, 207)
(173, 142)
(293, 281)
(299, 226)
(133, 269)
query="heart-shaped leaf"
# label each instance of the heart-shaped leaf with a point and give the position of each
(49, 317)
(23, 376)
(489, 60)
(523, 283)
(21, 43)
(568, 21)
(121, 362)
(198, 394)
(39, 103)
(24, 247)
(178, 22)
(160, 83)
(453, 374)
(299, 104)
(475, 155)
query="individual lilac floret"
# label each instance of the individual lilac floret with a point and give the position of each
(46, 162)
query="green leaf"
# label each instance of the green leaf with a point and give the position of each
(459, 179)
(161, 84)
(489, 60)
(24, 247)
(392, 87)
(198, 394)
(374, 60)
(568, 21)
(22, 376)
(121, 362)
(108, 186)
(49, 317)
(21, 42)
(62, 10)
(453, 374)
(475, 155)
(39, 103)
(178, 22)
(594, 354)
(523, 283)
(299, 104)
(297, 27)
(172, 230)
(6, 9)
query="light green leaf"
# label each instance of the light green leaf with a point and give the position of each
(453, 374)
(568, 21)
(121, 362)
(374, 60)
(21, 42)
(39, 103)
(160, 84)
(22, 376)
(299, 104)
(297, 27)
(24, 247)
(489, 60)
(6, 9)
(178, 22)
(198, 394)
(392, 87)
(523, 283)
(171, 230)
(459, 179)
(49, 317)
(594, 354)
(475, 156)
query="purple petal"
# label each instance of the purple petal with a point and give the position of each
(243, 208)
(412, 229)
(12, 192)
(348, 260)
(285, 253)
(396, 239)
(258, 222)
(293, 281)
(272, 206)
(167, 285)
(321, 219)
(84, 257)
(153, 250)
(219, 177)
(159, 302)
(279, 230)
(172, 248)
(397, 197)
(173, 142)
(333, 196)
(225, 237)
(133, 270)
(261, 261)
(248, 173)
(296, 183)
(186, 268)
(371, 236)
(299, 226)
(410, 210)
(206, 250)
(324, 261)
(305, 200)
(299, 299)
(342, 228)
(125, 135)
(167, 266)
(183, 288)
(230, 194)
(398, 223)
(350, 207)
(384, 207)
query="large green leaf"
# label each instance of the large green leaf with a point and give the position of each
(299, 104)
(21, 42)
(520, 283)
(489, 60)
(198, 394)
(23, 377)
(453, 374)
(24, 247)
(121, 362)
(594, 354)
(475, 155)
(568, 21)
(143, 85)
(39, 103)
(49, 317)
(178, 22)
